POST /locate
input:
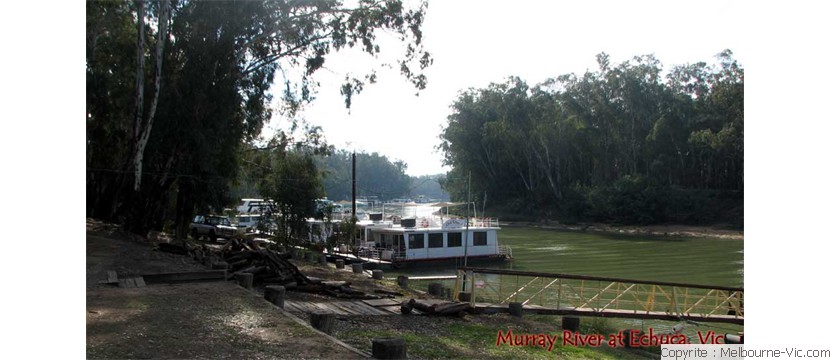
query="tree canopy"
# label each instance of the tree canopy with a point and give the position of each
(619, 144)
(218, 68)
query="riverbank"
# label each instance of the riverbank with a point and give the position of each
(222, 320)
(718, 232)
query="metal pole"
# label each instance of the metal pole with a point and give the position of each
(354, 194)
(467, 239)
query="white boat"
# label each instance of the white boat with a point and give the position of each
(427, 240)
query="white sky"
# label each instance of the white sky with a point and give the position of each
(475, 43)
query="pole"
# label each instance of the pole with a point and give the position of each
(354, 202)
(467, 240)
(467, 235)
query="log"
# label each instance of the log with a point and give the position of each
(377, 274)
(403, 281)
(570, 323)
(406, 308)
(322, 321)
(450, 308)
(246, 280)
(515, 309)
(436, 289)
(425, 308)
(275, 294)
(389, 348)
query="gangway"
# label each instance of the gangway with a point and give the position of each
(581, 295)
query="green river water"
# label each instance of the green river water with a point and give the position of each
(704, 261)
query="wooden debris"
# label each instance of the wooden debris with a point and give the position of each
(441, 309)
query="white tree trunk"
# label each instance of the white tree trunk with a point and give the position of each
(143, 135)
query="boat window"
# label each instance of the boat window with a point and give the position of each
(416, 241)
(480, 238)
(454, 239)
(436, 240)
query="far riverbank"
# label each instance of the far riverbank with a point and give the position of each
(656, 230)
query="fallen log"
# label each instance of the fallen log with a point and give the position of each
(441, 309)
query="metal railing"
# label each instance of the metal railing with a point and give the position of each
(601, 296)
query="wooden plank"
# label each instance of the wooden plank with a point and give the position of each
(325, 307)
(338, 308)
(382, 302)
(446, 277)
(364, 309)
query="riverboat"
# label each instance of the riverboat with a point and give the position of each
(421, 241)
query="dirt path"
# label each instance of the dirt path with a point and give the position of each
(200, 320)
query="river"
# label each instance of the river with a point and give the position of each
(705, 261)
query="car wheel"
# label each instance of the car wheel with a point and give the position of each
(212, 236)
(194, 234)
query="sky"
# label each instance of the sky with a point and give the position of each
(475, 43)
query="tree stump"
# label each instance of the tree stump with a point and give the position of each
(309, 256)
(377, 274)
(322, 321)
(403, 281)
(389, 348)
(515, 309)
(246, 280)
(322, 260)
(357, 268)
(275, 294)
(626, 340)
(464, 296)
(295, 254)
(340, 264)
(435, 289)
(570, 323)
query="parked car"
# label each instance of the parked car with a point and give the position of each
(212, 226)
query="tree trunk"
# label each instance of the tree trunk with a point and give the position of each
(142, 134)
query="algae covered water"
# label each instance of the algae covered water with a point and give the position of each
(706, 261)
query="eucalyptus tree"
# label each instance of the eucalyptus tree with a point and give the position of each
(214, 80)
(616, 144)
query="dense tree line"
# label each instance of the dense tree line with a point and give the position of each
(621, 144)
(376, 175)
(174, 146)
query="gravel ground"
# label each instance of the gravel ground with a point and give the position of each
(199, 320)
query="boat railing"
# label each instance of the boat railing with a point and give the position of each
(484, 222)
